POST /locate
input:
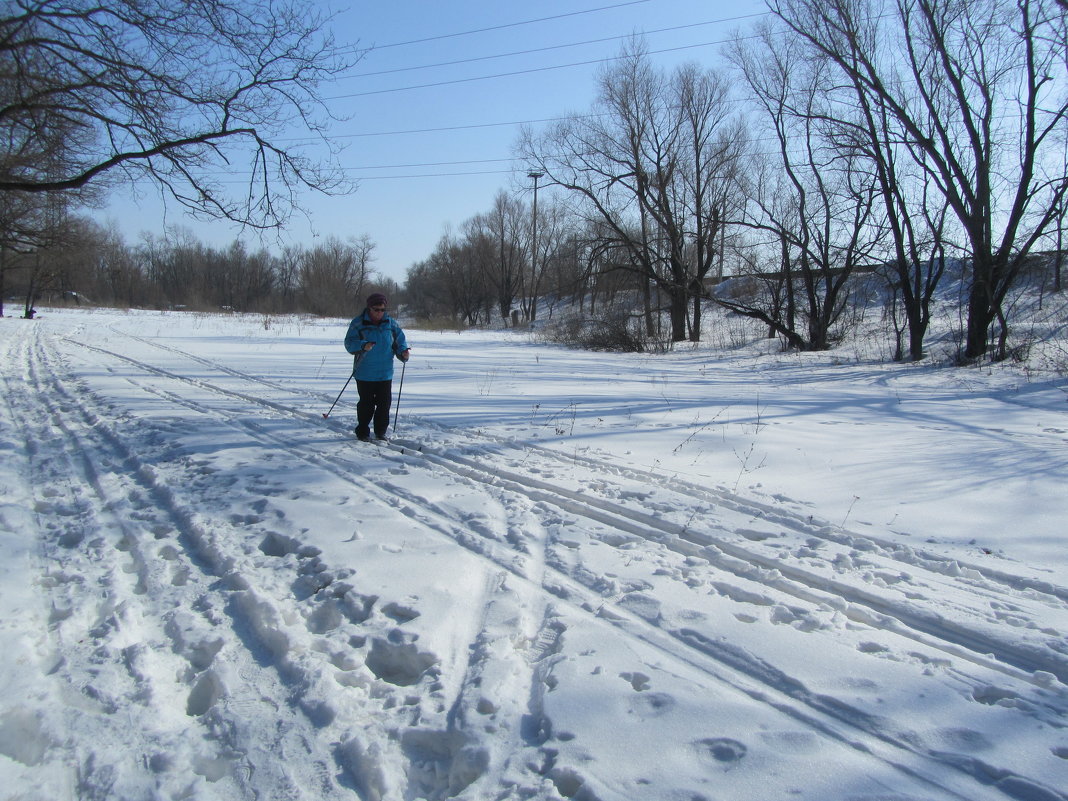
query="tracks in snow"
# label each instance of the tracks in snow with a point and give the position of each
(759, 575)
(729, 531)
(739, 549)
(746, 564)
(301, 638)
(147, 641)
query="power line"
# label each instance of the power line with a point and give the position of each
(512, 123)
(550, 47)
(438, 175)
(231, 181)
(507, 25)
(428, 164)
(445, 128)
(516, 72)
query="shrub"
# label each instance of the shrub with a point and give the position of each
(614, 329)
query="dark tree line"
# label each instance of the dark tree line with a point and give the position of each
(86, 264)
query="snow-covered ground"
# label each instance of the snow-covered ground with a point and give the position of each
(700, 576)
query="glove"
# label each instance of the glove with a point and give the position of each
(404, 355)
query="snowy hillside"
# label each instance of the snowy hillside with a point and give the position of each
(702, 576)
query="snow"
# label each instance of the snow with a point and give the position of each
(700, 576)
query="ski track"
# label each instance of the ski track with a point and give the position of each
(858, 554)
(120, 511)
(171, 549)
(767, 572)
(116, 512)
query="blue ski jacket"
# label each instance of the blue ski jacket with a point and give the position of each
(388, 338)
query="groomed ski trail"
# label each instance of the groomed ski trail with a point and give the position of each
(411, 719)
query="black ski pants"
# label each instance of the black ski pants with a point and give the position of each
(373, 407)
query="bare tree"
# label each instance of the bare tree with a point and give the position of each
(816, 204)
(114, 273)
(177, 92)
(332, 275)
(243, 281)
(555, 235)
(711, 145)
(31, 221)
(287, 278)
(976, 91)
(650, 166)
(913, 215)
(498, 237)
(173, 266)
(450, 283)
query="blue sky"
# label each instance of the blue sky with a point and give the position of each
(431, 142)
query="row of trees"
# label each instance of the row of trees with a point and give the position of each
(951, 118)
(489, 269)
(878, 136)
(89, 264)
(516, 263)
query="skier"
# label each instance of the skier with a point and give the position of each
(377, 338)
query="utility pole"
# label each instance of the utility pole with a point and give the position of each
(534, 237)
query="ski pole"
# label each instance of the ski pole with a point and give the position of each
(355, 362)
(400, 389)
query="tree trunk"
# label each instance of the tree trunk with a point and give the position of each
(980, 318)
(695, 332)
(677, 297)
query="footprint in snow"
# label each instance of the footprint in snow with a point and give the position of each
(325, 617)
(204, 695)
(23, 737)
(398, 661)
(961, 739)
(651, 705)
(721, 751)
(991, 695)
(639, 681)
(278, 545)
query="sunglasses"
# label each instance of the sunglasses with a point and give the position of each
(378, 308)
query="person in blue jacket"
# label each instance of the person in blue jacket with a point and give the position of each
(377, 338)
